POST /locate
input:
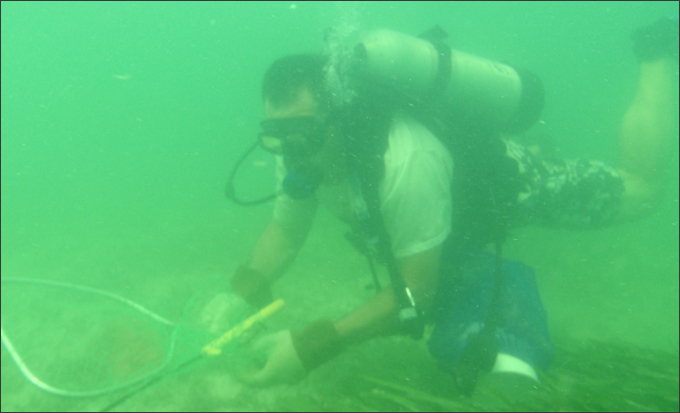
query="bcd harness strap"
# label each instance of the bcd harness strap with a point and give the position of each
(376, 244)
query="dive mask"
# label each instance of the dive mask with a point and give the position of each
(296, 137)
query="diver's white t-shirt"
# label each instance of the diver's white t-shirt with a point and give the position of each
(415, 193)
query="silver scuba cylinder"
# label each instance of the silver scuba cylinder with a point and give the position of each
(464, 86)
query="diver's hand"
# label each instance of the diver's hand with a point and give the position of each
(224, 311)
(292, 354)
(283, 365)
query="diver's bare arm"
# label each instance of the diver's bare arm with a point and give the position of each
(646, 138)
(277, 248)
(379, 315)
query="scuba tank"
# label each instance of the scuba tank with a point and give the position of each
(457, 84)
(466, 101)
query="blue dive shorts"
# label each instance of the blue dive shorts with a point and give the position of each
(463, 302)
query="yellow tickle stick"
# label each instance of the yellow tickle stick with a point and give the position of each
(215, 347)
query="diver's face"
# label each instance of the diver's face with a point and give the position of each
(305, 138)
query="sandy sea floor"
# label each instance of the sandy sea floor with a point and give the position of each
(604, 362)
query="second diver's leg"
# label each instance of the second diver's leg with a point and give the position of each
(646, 138)
(647, 129)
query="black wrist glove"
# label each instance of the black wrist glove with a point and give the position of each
(253, 286)
(317, 343)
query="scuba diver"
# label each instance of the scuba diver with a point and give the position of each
(413, 161)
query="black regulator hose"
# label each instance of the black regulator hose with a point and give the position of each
(229, 189)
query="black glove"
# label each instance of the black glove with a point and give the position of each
(252, 286)
(657, 40)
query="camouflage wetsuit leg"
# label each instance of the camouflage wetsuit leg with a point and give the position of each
(570, 194)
